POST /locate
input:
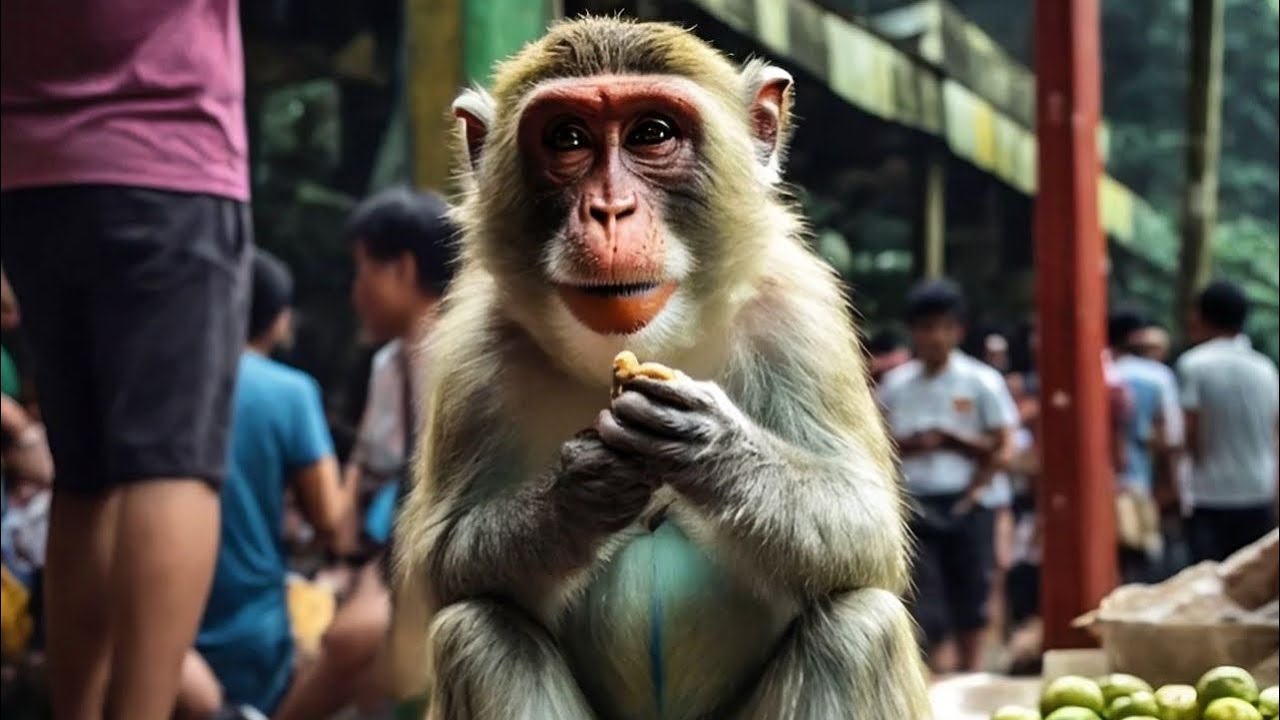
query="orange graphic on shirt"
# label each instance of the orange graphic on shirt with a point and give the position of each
(962, 405)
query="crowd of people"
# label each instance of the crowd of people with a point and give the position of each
(1194, 460)
(271, 642)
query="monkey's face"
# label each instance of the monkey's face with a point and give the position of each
(604, 154)
(622, 186)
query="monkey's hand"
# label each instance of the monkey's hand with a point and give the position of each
(807, 521)
(597, 488)
(684, 428)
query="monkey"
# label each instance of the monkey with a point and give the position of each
(727, 543)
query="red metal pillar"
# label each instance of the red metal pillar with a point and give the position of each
(1077, 487)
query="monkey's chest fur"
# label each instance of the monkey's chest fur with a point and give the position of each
(664, 632)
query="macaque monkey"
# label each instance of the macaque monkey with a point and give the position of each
(727, 542)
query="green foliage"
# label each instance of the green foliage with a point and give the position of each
(1146, 55)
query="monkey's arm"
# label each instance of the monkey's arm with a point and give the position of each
(810, 519)
(476, 525)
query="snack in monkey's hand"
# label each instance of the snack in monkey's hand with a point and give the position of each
(626, 366)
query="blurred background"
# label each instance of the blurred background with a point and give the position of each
(914, 155)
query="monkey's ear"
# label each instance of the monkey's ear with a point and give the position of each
(770, 92)
(474, 111)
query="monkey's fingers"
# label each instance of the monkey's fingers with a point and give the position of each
(639, 411)
(680, 392)
(630, 440)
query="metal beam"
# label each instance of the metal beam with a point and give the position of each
(1077, 497)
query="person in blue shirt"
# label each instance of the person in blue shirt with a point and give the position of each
(1150, 436)
(279, 440)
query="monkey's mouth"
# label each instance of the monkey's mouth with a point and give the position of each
(624, 290)
(617, 308)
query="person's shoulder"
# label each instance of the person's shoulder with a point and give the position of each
(904, 373)
(1263, 364)
(983, 374)
(384, 360)
(1194, 358)
(282, 378)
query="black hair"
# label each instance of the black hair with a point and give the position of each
(933, 298)
(1123, 322)
(400, 220)
(885, 341)
(272, 292)
(1223, 306)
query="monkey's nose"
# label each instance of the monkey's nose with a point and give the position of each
(607, 211)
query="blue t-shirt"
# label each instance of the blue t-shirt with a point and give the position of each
(278, 427)
(1140, 427)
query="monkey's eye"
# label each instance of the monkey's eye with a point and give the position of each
(567, 137)
(651, 131)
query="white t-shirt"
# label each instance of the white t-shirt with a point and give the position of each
(380, 450)
(967, 398)
(1235, 393)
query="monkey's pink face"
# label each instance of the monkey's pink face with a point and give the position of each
(612, 148)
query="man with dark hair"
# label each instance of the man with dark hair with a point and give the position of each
(404, 249)
(279, 441)
(1151, 341)
(1151, 434)
(1231, 396)
(953, 420)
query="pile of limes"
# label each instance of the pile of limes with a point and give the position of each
(1223, 693)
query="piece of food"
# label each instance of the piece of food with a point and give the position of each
(1269, 702)
(1226, 681)
(1177, 702)
(1013, 712)
(1072, 690)
(626, 367)
(1230, 708)
(1072, 712)
(1118, 685)
(1141, 703)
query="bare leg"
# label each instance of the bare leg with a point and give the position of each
(944, 657)
(82, 532)
(347, 654)
(852, 657)
(199, 692)
(167, 541)
(971, 643)
(492, 662)
(998, 627)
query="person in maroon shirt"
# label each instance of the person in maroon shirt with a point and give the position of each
(124, 196)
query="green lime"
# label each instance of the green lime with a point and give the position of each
(1177, 702)
(1119, 684)
(1013, 712)
(1230, 708)
(1072, 712)
(1138, 704)
(1227, 681)
(1269, 702)
(1072, 690)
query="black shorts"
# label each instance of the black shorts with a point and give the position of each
(135, 302)
(1217, 533)
(952, 569)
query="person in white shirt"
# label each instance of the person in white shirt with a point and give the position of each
(403, 243)
(953, 420)
(1231, 397)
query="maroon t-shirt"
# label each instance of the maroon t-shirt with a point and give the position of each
(146, 93)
